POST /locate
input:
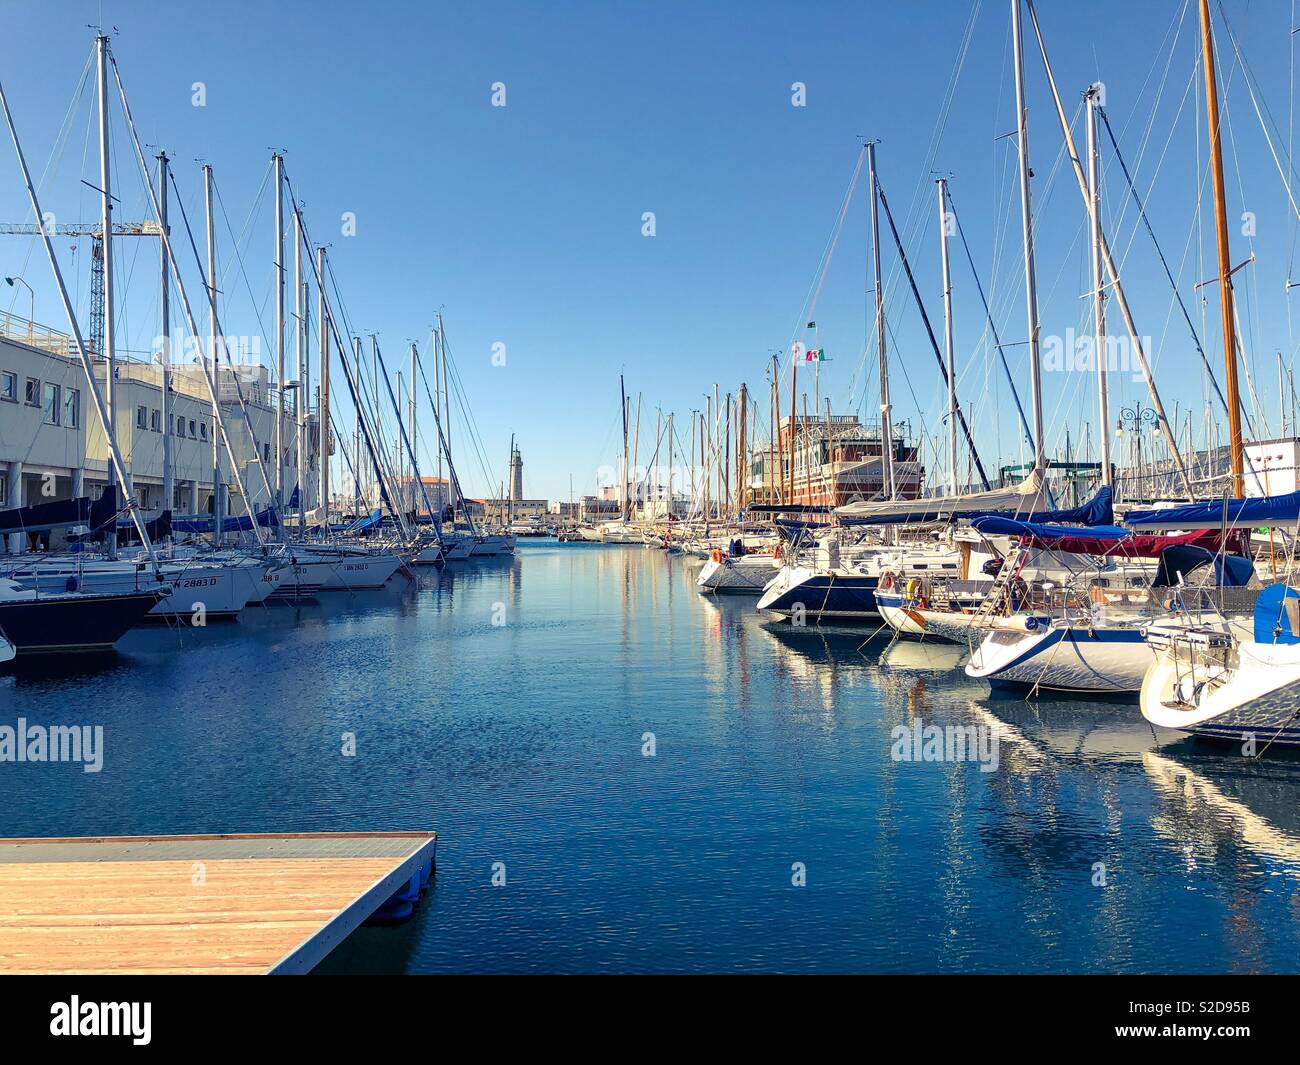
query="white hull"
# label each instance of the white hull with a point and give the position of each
(488, 546)
(1067, 658)
(747, 575)
(428, 556)
(458, 548)
(221, 591)
(1259, 697)
(355, 573)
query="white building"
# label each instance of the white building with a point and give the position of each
(53, 447)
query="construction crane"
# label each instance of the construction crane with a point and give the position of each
(95, 232)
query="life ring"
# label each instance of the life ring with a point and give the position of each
(776, 551)
(887, 581)
(716, 555)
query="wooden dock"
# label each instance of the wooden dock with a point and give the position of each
(195, 904)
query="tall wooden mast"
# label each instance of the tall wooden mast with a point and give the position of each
(1225, 265)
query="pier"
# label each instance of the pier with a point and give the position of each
(215, 904)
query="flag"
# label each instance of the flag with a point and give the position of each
(815, 355)
(812, 325)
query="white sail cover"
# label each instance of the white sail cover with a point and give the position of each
(1027, 497)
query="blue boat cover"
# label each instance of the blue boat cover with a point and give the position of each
(265, 518)
(996, 525)
(368, 522)
(59, 514)
(1261, 510)
(1271, 622)
(1098, 511)
(1230, 571)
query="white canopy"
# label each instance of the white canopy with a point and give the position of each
(1025, 498)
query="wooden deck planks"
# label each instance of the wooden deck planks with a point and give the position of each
(240, 908)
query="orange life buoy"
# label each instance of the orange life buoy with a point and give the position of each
(716, 555)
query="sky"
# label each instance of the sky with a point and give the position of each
(525, 223)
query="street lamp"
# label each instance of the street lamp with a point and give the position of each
(14, 281)
(1135, 418)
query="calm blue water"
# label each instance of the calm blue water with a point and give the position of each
(521, 743)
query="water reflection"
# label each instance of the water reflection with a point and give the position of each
(1094, 844)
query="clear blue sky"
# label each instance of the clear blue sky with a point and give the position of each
(524, 222)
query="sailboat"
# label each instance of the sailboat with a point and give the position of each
(1239, 680)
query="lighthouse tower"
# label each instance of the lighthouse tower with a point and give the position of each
(516, 475)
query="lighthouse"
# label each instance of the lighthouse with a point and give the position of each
(516, 475)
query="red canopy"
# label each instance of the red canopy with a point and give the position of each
(1147, 546)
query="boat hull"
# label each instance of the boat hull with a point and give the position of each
(1261, 702)
(1062, 658)
(361, 573)
(736, 577)
(69, 624)
(797, 591)
(909, 619)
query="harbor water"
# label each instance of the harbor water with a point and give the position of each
(629, 776)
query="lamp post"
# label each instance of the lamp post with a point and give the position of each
(1135, 419)
(12, 282)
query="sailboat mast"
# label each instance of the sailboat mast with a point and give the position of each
(794, 390)
(1098, 288)
(886, 428)
(117, 465)
(323, 413)
(742, 414)
(300, 357)
(1027, 227)
(218, 496)
(164, 331)
(412, 419)
(277, 164)
(947, 337)
(622, 402)
(106, 252)
(1112, 270)
(1225, 264)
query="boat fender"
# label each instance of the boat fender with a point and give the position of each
(912, 586)
(1031, 623)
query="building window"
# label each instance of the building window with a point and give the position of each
(9, 386)
(51, 404)
(203, 430)
(32, 393)
(155, 421)
(180, 426)
(142, 417)
(266, 452)
(72, 408)
(191, 427)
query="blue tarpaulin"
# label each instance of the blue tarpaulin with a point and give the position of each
(1271, 622)
(368, 522)
(1262, 510)
(996, 525)
(194, 525)
(1230, 571)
